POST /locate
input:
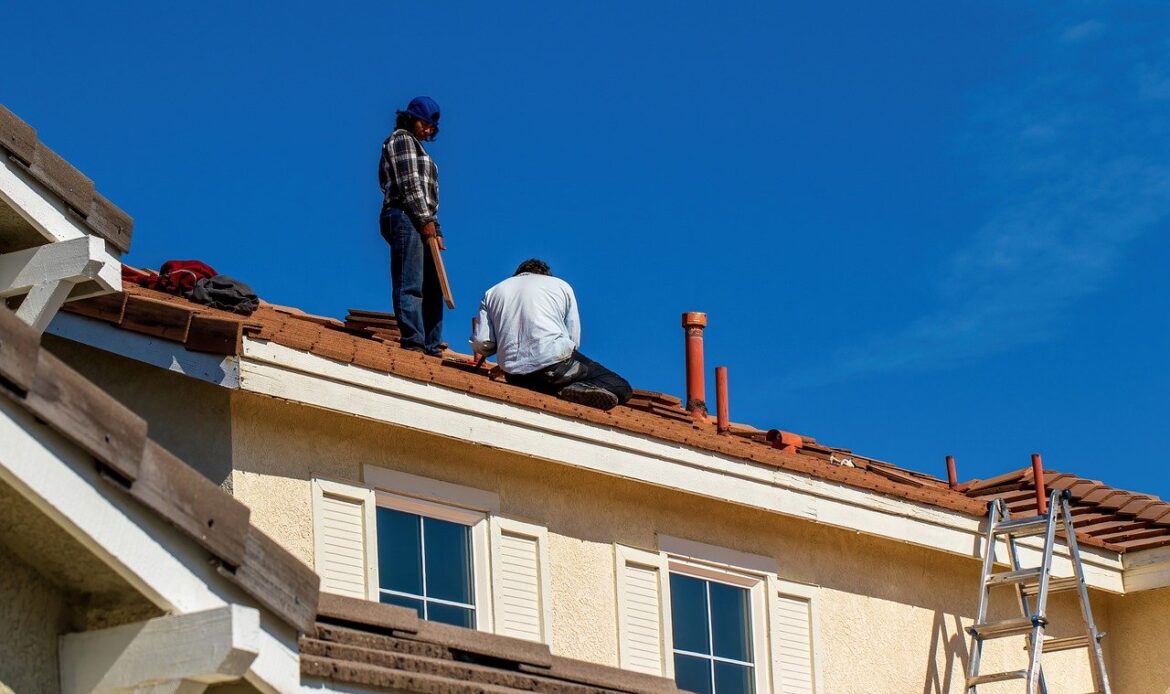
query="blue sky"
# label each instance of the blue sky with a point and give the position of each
(917, 228)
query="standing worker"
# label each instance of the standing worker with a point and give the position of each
(530, 322)
(410, 201)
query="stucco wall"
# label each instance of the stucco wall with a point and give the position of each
(186, 416)
(1138, 646)
(891, 615)
(32, 614)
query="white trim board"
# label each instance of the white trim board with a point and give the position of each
(62, 482)
(38, 206)
(270, 369)
(170, 356)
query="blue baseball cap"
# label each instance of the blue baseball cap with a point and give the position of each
(425, 109)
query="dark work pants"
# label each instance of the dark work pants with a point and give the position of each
(418, 298)
(595, 374)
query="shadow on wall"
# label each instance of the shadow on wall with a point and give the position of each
(948, 646)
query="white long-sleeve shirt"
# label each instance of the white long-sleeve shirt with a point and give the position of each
(528, 321)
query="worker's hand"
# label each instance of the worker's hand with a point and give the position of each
(429, 232)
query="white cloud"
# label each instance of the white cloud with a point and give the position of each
(1081, 180)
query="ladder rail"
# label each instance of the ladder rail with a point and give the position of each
(995, 509)
(1040, 616)
(1097, 656)
(1035, 672)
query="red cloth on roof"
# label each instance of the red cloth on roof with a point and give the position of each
(176, 277)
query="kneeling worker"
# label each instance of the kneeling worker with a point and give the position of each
(530, 322)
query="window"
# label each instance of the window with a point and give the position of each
(435, 547)
(426, 564)
(427, 558)
(712, 630)
(716, 620)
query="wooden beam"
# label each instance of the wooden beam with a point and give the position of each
(42, 302)
(87, 415)
(19, 346)
(75, 260)
(182, 653)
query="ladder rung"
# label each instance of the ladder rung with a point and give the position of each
(1023, 527)
(1017, 576)
(1065, 644)
(997, 677)
(1055, 585)
(1010, 627)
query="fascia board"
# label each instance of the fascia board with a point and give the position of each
(63, 483)
(270, 369)
(171, 356)
(1147, 570)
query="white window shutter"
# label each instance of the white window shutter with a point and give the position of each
(643, 618)
(345, 550)
(795, 650)
(520, 580)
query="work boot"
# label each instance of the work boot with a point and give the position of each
(589, 395)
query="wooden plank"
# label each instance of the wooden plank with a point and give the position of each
(16, 136)
(59, 176)
(19, 345)
(437, 256)
(107, 307)
(110, 222)
(192, 503)
(87, 415)
(278, 580)
(215, 335)
(158, 318)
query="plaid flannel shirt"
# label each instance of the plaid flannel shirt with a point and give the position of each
(409, 178)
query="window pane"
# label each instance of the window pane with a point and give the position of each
(731, 622)
(448, 558)
(399, 552)
(692, 674)
(413, 604)
(733, 679)
(447, 614)
(688, 611)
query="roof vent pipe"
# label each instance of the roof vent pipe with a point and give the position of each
(1038, 481)
(723, 417)
(952, 473)
(694, 323)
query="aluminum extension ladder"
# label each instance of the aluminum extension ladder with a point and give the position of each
(1032, 584)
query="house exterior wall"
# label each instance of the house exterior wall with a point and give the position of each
(890, 614)
(1138, 646)
(32, 614)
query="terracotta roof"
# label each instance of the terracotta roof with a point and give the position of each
(1115, 518)
(369, 339)
(45, 166)
(151, 476)
(367, 643)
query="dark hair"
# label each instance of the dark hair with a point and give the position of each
(534, 266)
(405, 122)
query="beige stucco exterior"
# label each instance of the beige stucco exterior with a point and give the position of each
(889, 614)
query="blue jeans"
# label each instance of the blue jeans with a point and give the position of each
(418, 299)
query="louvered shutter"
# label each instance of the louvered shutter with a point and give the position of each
(344, 548)
(520, 579)
(794, 650)
(642, 625)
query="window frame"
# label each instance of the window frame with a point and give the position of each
(446, 501)
(756, 572)
(757, 587)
